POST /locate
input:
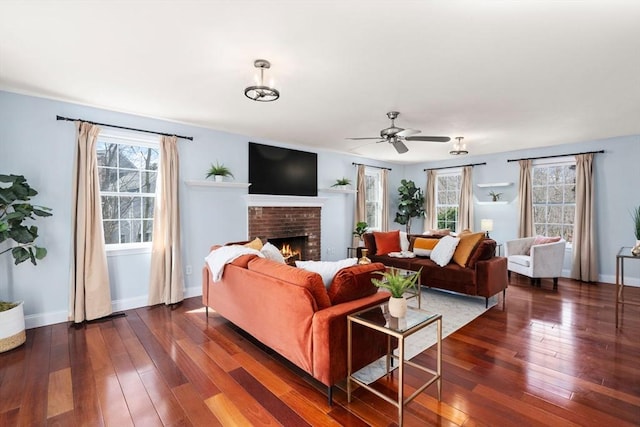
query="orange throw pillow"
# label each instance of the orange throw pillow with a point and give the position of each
(468, 242)
(388, 241)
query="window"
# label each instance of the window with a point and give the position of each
(554, 199)
(128, 170)
(447, 199)
(373, 203)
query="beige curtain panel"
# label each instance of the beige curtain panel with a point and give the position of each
(360, 211)
(90, 295)
(384, 181)
(465, 207)
(431, 216)
(166, 282)
(584, 265)
(525, 197)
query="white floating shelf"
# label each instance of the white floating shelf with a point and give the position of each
(194, 183)
(495, 184)
(499, 202)
(338, 190)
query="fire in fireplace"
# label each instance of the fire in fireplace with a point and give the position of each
(291, 248)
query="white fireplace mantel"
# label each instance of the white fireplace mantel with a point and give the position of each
(291, 201)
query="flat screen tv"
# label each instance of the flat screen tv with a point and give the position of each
(282, 171)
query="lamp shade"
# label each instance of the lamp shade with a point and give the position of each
(486, 224)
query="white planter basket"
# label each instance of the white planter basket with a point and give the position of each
(12, 332)
(398, 307)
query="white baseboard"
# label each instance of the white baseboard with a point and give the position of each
(43, 319)
(609, 278)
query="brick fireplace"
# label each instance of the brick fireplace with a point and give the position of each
(299, 226)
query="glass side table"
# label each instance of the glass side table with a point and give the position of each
(623, 254)
(401, 329)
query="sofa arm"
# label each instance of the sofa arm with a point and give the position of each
(329, 328)
(491, 276)
(547, 259)
(518, 246)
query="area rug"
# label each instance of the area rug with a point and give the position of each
(457, 310)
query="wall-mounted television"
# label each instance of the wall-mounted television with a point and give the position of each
(282, 171)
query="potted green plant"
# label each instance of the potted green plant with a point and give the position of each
(16, 212)
(218, 172)
(495, 196)
(342, 183)
(410, 204)
(397, 282)
(361, 228)
(635, 214)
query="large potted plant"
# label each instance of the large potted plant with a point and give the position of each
(397, 282)
(17, 232)
(410, 204)
(635, 214)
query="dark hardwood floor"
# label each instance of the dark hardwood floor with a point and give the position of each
(550, 358)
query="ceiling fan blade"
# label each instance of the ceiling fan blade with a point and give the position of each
(408, 132)
(365, 137)
(429, 138)
(399, 146)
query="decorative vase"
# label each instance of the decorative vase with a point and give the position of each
(363, 259)
(218, 178)
(12, 332)
(635, 251)
(398, 307)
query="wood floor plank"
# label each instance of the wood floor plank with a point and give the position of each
(60, 393)
(166, 404)
(194, 407)
(33, 407)
(86, 404)
(226, 411)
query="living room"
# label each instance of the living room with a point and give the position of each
(38, 146)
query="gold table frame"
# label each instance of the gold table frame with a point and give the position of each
(401, 329)
(623, 253)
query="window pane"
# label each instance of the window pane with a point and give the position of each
(125, 232)
(107, 154)
(148, 230)
(554, 230)
(130, 207)
(539, 214)
(541, 229)
(109, 207)
(111, 232)
(129, 181)
(108, 179)
(570, 174)
(570, 193)
(539, 194)
(136, 231)
(149, 182)
(554, 215)
(569, 214)
(147, 207)
(539, 176)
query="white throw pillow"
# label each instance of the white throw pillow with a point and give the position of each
(404, 242)
(443, 252)
(326, 269)
(271, 252)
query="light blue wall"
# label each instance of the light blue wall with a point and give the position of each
(617, 191)
(34, 144)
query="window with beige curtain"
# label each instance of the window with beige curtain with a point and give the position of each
(554, 198)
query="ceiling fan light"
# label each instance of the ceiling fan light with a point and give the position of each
(260, 92)
(459, 148)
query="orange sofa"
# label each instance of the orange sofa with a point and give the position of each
(289, 310)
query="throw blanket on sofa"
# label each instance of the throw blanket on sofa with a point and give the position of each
(218, 258)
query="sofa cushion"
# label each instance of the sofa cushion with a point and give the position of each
(422, 246)
(387, 241)
(467, 244)
(370, 243)
(255, 244)
(351, 283)
(522, 260)
(326, 269)
(271, 252)
(443, 251)
(541, 240)
(308, 279)
(484, 251)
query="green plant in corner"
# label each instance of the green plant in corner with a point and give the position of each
(410, 204)
(15, 213)
(219, 170)
(396, 282)
(341, 182)
(361, 228)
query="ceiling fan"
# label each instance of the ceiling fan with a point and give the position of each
(395, 135)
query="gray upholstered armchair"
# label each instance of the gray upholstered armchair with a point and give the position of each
(535, 261)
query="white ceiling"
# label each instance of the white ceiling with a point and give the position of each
(503, 74)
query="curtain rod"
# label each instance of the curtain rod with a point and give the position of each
(190, 138)
(559, 155)
(452, 167)
(370, 166)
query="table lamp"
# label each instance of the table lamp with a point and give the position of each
(486, 225)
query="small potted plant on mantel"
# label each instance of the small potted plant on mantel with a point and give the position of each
(397, 282)
(218, 172)
(342, 183)
(15, 213)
